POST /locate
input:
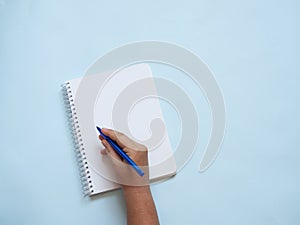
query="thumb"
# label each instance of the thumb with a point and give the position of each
(115, 136)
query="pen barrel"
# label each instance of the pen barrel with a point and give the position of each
(138, 170)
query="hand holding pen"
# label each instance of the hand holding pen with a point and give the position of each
(136, 152)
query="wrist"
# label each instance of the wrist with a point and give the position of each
(135, 189)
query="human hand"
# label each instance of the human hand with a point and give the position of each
(139, 202)
(137, 152)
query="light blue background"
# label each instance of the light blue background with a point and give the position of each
(251, 46)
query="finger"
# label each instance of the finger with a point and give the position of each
(111, 152)
(114, 155)
(114, 135)
(107, 146)
(103, 152)
(101, 138)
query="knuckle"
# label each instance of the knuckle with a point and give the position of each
(120, 133)
(144, 148)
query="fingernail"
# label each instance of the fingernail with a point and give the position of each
(104, 129)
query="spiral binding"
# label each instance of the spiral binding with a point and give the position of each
(77, 140)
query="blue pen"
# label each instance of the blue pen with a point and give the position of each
(119, 150)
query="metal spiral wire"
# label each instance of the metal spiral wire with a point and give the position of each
(77, 140)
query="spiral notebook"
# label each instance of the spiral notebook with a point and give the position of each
(91, 162)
